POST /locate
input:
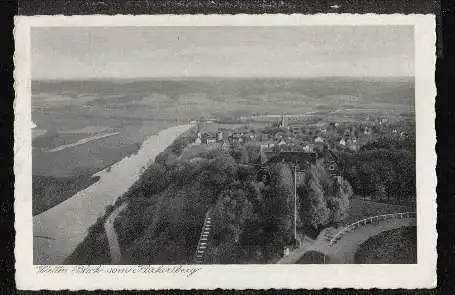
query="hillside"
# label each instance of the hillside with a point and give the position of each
(395, 246)
(251, 218)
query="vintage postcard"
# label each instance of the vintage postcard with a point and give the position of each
(221, 151)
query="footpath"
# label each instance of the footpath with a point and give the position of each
(112, 237)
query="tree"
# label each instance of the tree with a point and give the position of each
(230, 216)
(383, 169)
(166, 158)
(154, 179)
(279, 197)
(338, 203)
(253, 153)
(313, 209)
(232, 211)
(368, 178)
(221, 170)
(240, 154)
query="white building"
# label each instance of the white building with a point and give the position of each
(383, 121)
(307, 148)
(318, 139)
(267, 144)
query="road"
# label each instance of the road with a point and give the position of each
(297, 254)
(112, 237)
(343, 252)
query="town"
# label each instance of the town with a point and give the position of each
(291, 136)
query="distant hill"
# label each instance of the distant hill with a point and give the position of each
(398, 90)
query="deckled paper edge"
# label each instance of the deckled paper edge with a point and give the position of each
(421, 275)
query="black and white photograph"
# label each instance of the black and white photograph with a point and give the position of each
(224, 145)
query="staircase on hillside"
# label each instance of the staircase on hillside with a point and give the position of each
(203, 240)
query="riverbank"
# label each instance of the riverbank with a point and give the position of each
(68, 222)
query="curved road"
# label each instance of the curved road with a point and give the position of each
(344, 250)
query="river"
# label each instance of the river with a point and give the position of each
(66, 224)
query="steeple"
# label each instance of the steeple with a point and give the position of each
(282, 122)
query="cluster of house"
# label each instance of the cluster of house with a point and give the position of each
(299, 137)
(286, 141)
(309, 140)
(279, 147)
(350, 137)
(378, 121)
(224, 135)
(322, 137)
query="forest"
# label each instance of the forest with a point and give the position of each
(383, 170)
(253, 218)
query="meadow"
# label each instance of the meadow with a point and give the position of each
(360, 209)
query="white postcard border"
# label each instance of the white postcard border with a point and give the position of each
(420, 275)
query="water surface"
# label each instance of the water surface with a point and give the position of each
(66, 224)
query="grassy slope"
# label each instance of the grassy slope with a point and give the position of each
(93, 250)
(397, 246)
(360, 209)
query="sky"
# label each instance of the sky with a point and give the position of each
(153, 52)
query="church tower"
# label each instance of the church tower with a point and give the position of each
(283, 121)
